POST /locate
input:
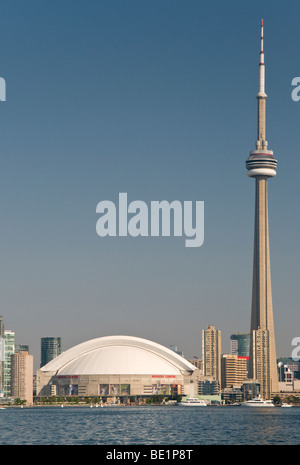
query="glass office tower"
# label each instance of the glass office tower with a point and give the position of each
(50, 348)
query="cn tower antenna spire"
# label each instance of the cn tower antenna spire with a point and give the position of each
(262, 43)
(262, 63)
(261, 142)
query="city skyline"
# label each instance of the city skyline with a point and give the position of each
(232, 349)
(156, 100)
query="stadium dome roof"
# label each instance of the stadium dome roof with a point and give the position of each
(118, 355)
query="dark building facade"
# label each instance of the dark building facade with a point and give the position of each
(50, 348)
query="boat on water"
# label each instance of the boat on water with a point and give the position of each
(284, 404)
(258, 402)
(193, 402)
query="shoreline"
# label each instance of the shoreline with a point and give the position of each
(94, 406)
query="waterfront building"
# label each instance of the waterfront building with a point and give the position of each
(261, 361)
(208, 387)
(116, 367)
(250, 389)
(233, 370)
(50, 348)
(231, 395)
(2, 356)
(289, 387)
(22, 376)
(9, 345)
(211, 352)
(284, 373)
(293, 365)
(261, 166)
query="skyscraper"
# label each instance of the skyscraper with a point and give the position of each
(211, 352)
(9, 337)
(22, 376)
(2, 356)
(50, 348)
(233, 370)
(239, 344)
(261, 166)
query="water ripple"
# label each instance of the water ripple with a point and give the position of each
(149, 426)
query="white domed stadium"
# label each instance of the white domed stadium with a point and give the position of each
(116, 366)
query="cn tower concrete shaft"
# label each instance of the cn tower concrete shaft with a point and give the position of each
(262, 307)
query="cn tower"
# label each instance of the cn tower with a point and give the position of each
(261, 166)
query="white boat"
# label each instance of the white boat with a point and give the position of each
(258, 402)
(284, 404)
(193, 402)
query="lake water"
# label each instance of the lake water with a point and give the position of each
(151, 425)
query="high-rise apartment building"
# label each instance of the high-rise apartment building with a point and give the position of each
(22, 376)
(2, 356)
(9, 338)
(50, 348)
(261, 361)
(261, 166)
(211, 352)
(233, 370)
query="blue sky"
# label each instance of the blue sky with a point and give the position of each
(156, 99)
